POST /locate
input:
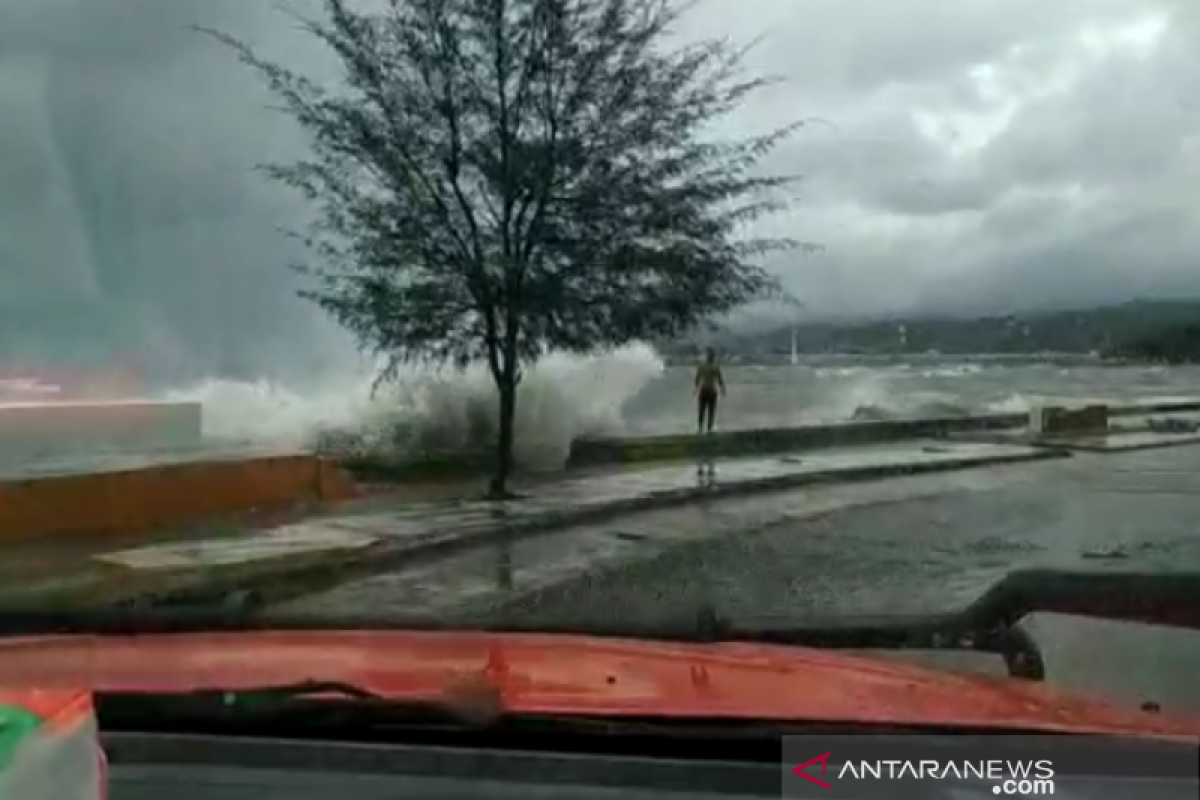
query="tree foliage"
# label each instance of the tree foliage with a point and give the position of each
(1170, 345)
(497, 178)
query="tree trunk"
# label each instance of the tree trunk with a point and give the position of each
(507, 386)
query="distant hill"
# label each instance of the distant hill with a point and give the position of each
(1107, 330)
(1172, 345)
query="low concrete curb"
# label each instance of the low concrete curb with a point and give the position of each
(1106, 447)
(246, 588)
(1142, 409)
(1115, 448)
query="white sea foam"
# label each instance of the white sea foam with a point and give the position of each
(562, 397)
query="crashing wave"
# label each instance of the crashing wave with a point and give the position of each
(430, 411)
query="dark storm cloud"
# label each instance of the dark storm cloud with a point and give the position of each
(1001, 154)
(131, 224)
(968, 154)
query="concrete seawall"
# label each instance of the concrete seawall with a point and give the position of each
(602, 452)
(157, 496)
(597, 452)
(140, 498)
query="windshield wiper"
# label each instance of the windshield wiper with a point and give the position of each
(288, 691)
(324, 703)
(989, 624)
(324, 707)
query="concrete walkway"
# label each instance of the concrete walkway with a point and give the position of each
(300, 556)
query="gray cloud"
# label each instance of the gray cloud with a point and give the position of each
(131, 223)
(1051, 162)
(975, 155)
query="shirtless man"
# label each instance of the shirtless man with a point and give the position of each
(709, 383)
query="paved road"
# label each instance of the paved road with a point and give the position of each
(916, 544)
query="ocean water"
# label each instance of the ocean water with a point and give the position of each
(837, 389)
(630, 392)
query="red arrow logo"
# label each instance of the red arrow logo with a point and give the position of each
(823, 760)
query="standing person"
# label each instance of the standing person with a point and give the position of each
(709, 385)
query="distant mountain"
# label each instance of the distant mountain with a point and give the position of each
(1173, 345)
(1096, 330)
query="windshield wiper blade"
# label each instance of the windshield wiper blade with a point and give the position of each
(988, 624)
(1169, 600)
(324, 703)
(301, 690)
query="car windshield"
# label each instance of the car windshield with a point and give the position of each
(574, 315)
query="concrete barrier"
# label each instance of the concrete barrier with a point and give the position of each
(1142, 409)
(598, 452)
(85, 424)
(1058, 421)
(140, 500)
(765, 441)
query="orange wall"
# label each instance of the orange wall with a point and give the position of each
(140, 500)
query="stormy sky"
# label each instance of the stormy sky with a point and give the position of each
(969, 156)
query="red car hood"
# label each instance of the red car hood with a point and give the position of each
(574, 675)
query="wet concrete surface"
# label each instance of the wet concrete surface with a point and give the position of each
(378, 534)
(915, 544)
(508, 576)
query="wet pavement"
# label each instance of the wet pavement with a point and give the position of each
(368, 537)
(507, 577)
(576, 495)
(904, 545)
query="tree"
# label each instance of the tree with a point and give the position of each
(1174, 345)
(499, 178)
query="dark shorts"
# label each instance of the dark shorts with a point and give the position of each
(706, 401)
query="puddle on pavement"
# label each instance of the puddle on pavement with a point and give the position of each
(487, 575)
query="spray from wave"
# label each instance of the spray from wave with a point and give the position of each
(906, 391)
(427, 411)
(623, 392)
